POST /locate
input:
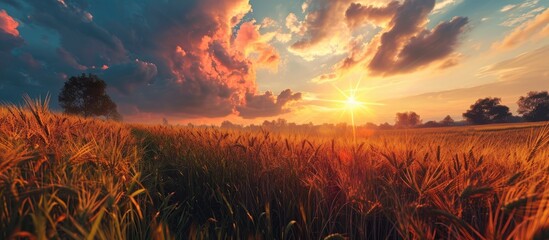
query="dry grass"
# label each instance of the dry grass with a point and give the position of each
(67, 177)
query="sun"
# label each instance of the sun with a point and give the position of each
(351, 103)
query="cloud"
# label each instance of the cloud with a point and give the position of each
(128, 76)
(403, 45)
(196, 58)
(250, 41)
(442, 4)
(429, 46)
(409, 20)
(323, 31)
(522, 13)
(294, 25)
(84, 39)
(283, 37)
(357, 14)
(265, 105)
(528, 4)
(451, 61)
(536, 28)
(513, 21)
(358, 51)
(507, 7)
(8, 24)
(305, 5)
(69, 59)
(528, 64)
(268, 22)
(9, 40)
(324, 78)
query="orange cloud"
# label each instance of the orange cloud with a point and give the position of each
(536, 28)
(249, 41)
(268, 22)
(8, 24)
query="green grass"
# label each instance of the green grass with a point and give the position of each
(73, 178)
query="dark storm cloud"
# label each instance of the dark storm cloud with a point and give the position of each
(79, 35)
(187, 63)
(69, 59)
(128, 76)
(266, 105)
(8, 43)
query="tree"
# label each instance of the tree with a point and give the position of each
(370, 125)
(487, 110)
(385, 126)
(534, 107)
(85, 95)
(165, 122)
(407, 119)
(431, 124)
(227, 124)
(447, 121)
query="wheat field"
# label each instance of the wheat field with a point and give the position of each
(66, 177)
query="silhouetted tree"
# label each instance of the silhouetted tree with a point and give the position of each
(431, 124)
(370, 125)
(407, 119)
(447, 121)
(385, 126)
(227, 124)
(487, 110)
(85, 95)
(534, 107)
(268, 124)
(281, 123)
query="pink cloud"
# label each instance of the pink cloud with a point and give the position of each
(8, 24)
(249, 40)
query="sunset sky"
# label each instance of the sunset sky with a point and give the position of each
(205, 61)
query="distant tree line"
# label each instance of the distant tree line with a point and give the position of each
(533, 107)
